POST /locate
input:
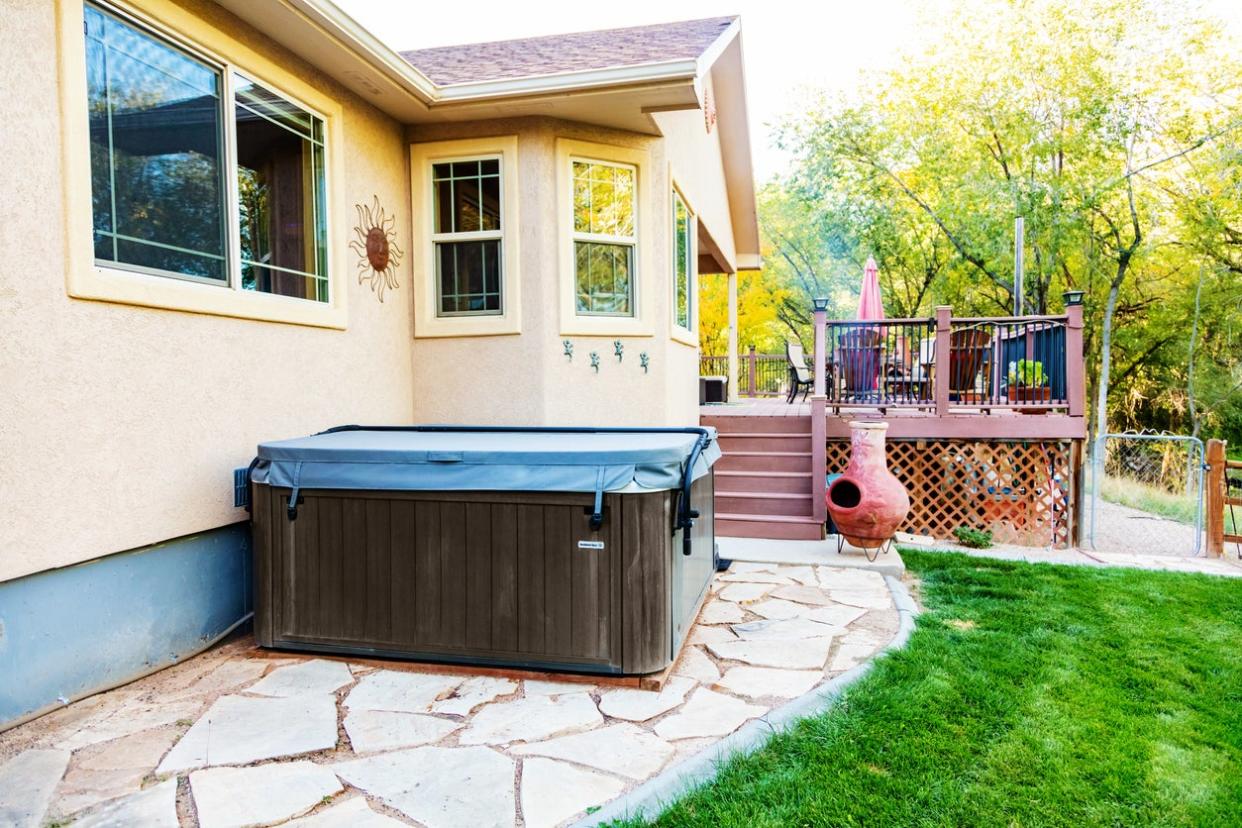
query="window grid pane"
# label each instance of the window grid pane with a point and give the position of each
(466, 199)
(604, 278)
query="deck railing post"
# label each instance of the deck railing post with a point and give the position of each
(944, 327)
(1215, 498)
(751, 365)
(1075, 371)
(821, 322)
(819, 458)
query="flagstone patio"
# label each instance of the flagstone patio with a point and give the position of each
(232, 737)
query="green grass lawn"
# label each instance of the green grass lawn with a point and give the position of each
(1029, 695)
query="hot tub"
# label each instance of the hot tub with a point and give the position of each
(584, 550)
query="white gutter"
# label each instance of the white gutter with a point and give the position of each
(568, 81)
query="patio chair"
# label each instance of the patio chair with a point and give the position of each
(799, 375)
(970, 355)
(860, 362)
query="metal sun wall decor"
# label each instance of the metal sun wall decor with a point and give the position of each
(375, 242)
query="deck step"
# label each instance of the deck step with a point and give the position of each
(795, 482)
(733, 425)
(764, 503)
(765, 461)
(773, 527)
(764, 441)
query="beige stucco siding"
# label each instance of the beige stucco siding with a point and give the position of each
(120, 425)
(525, 378)
(698, 169)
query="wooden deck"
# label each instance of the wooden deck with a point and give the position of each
(914, 424)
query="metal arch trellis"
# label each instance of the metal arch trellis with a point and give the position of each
(1193, 469)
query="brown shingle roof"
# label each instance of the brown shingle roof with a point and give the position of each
(576, 52)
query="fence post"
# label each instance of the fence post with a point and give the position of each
(821, 321)
(752, 363)
(944, 326)
(819, 457)
(1215, 500)
(1075, 371)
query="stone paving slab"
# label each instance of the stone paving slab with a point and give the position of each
(446, 749)
(641, 705)
(26, 785)
(309, 678)
(554, 791)
(155, 807)
(440, 787)
(531, 719)
(352, 813)
(623, 749)
(237, 730)
(262, 795)
(375, 730)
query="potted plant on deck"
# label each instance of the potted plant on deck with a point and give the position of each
(1028, 384)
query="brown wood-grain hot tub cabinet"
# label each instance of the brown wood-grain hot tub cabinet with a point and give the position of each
(507, 578)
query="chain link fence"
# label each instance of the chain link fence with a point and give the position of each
(1160, 476)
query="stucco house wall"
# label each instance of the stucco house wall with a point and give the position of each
(120, 424)
(525, 378)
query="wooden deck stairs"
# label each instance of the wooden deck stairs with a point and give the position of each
(764, 479)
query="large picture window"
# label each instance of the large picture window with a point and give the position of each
(605, 238)
(683, 263)
(198, 172)
(467, 237)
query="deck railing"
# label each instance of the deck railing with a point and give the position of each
(945, 363)
(758, 375)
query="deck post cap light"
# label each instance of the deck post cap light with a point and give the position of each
(1072, 297)
(820, 303)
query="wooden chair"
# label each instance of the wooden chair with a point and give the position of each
(799, 375)
(860, 363)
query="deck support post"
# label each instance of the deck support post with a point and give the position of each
(821, 323)
(1215, 499)
(1075, 372)
(944, 341)
(732, 395)
(752, 366)
(819, 456)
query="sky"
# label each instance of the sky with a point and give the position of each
(790, 47)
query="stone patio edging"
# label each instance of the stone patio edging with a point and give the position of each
(650, 798)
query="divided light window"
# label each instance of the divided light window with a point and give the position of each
(683, 262)
(605, 238)
(467, 237)
(184, 151)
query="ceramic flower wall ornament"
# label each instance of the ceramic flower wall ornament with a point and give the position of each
(375, 242)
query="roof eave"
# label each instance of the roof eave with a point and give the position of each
(647, 73)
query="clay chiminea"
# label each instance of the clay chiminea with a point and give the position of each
(868, 502)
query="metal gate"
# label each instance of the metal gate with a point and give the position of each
(1147, 475)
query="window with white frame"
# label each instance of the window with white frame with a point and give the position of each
(467, 237)
(683, 263)
(198, 172)
(605, 237)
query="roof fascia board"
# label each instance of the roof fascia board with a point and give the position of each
(713, 52)
(568, 81)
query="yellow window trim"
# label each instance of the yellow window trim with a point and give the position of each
(686, 336)
(87, 280)
(571, 323)
(426, 323)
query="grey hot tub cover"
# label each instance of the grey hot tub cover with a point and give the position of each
(551, 461)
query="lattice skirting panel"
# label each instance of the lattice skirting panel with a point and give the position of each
(1023, 492)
